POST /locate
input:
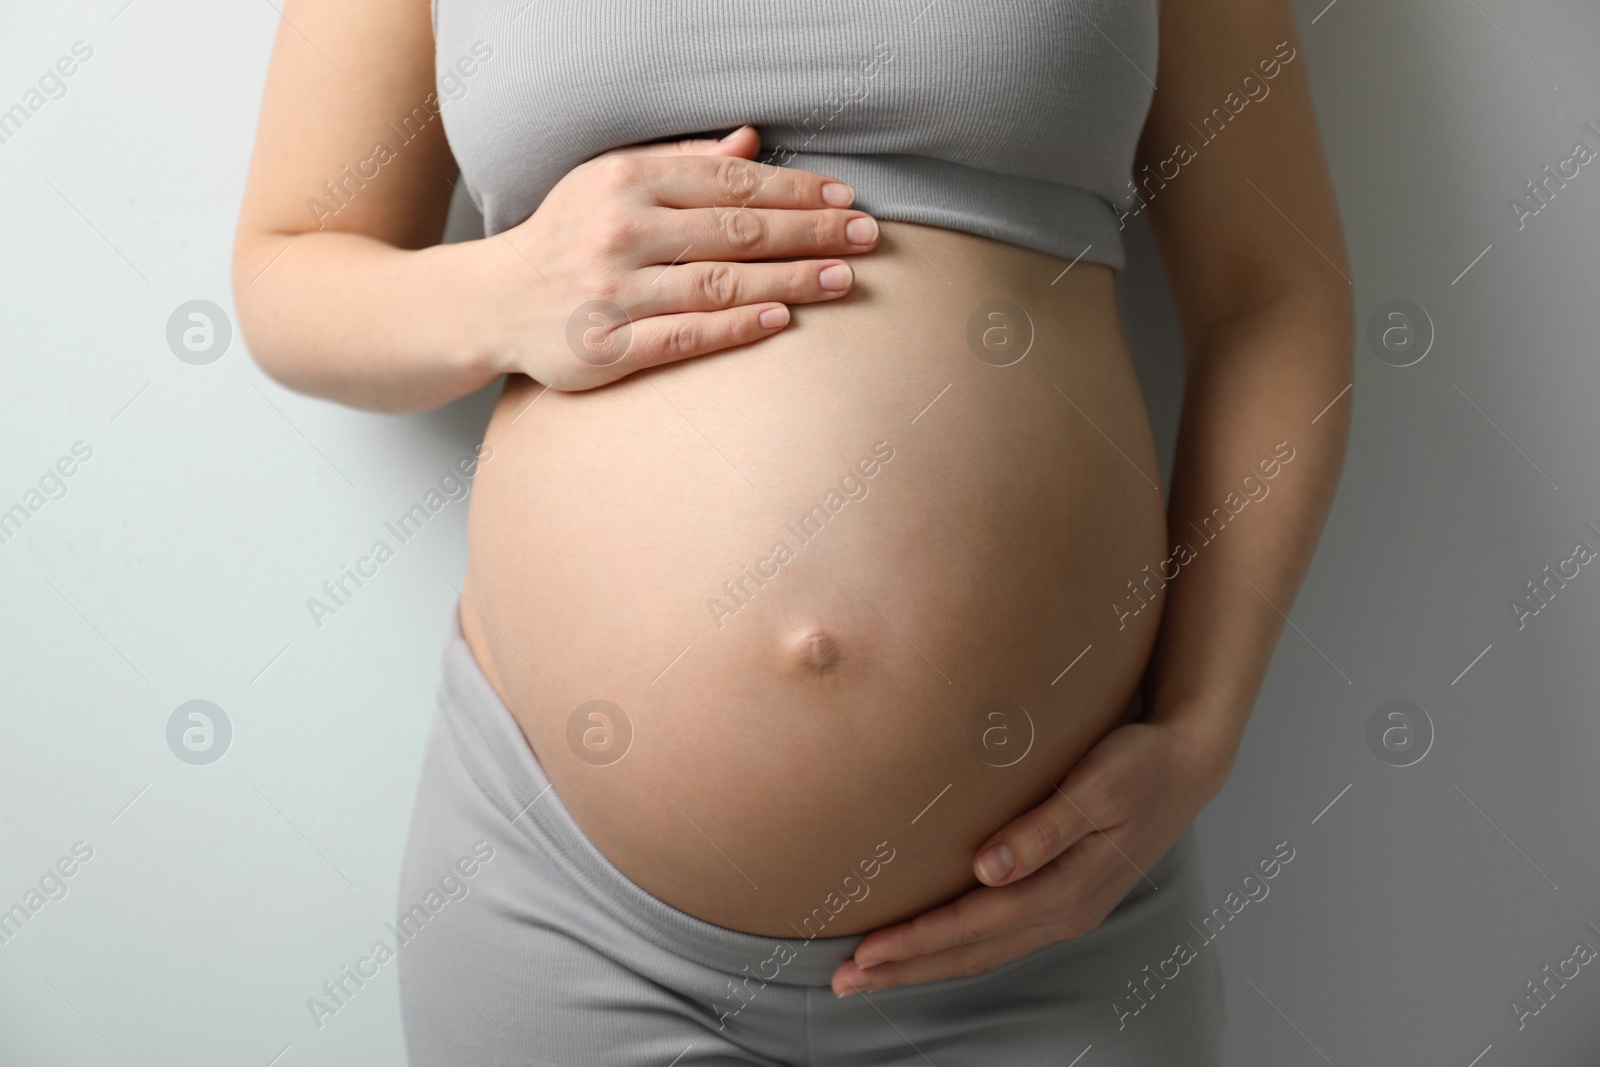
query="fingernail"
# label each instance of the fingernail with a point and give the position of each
(861, 231)
(772, 318)
(837, 276)
(869, 962)
(837, 194)
(848, 991)
(732, 135)
(996, 864)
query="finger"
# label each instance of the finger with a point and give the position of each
(697, 179)
(962, 962)
(978, 915)
(1074, 893)
(715, 286)
(722, 209)
(744, 234)
(649, 342)
(744, 142)
(734, 235)
(1032, 839)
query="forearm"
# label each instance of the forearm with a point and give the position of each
(359, 321)
(1259, 385)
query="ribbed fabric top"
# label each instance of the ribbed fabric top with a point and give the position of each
(1013, 119)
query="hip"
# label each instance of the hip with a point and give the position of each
(547, 952)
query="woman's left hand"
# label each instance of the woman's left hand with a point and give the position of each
(1071, 861)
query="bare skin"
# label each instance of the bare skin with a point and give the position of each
(807, 719)
(793, 738)
(1260, 278)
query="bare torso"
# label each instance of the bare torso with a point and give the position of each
(953, 534)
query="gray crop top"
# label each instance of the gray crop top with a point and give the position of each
(1013, 119)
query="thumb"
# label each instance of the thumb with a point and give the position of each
(1032, 840)
(744, 142)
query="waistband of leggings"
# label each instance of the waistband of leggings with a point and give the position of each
(495, 753)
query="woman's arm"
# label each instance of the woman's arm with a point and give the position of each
(329, 280)
(342, 290)
(1245, 218)
(1249, 231)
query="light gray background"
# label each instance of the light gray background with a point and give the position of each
(177, 566)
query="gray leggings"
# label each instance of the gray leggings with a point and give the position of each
(519, 943)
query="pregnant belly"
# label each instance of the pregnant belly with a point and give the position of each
(793, 628)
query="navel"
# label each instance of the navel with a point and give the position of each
(811, 649)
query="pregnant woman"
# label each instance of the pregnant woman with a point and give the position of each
(830, 683)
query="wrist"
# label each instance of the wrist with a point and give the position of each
(471, 338)
(1207, 740)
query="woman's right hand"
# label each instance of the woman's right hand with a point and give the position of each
(655, 253)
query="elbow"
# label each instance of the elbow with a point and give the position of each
(1319, 321)
(1321, 290)
(251, 303)
(1296, 338)
(1326, 335)
(267, 320)
(1311, 316)
(1329, 309)
(1324, 301)
(1334, 313)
